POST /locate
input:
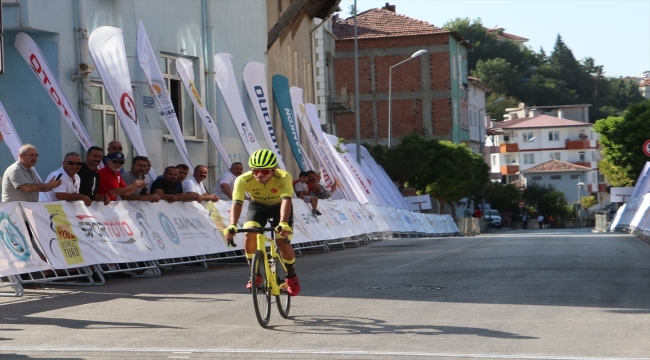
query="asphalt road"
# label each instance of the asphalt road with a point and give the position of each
(542, 294)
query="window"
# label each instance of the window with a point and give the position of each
(527, 136)
(556, 177)
(529, 158)
(506, 159)
(180, 98)
(553, 136)
(601, 178)
(594, 177)
(594, 157)
(495, 159)
(555, 156)
(537, 178)
(106, 125)
(581, 154)
(575, 177)
(506, 138)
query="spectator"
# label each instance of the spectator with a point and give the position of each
(111, 183)
(113, 147)
(149, 166)
(540, 220)
(89, 179)
(138, 169)
(524, 221)
(467, 212)
(225, 184)
(20, 182)
(302, 190)
(508, 219)
(166, 188)
(478, 213)
(551, 221)
(323, 192)
(194, 185)
(183, 171)
(70, 181)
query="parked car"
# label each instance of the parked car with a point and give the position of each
(493, 218)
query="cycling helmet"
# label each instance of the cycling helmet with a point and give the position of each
(262, 159)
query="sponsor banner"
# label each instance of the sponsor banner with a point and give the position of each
(642, 185)
(299, 116)
(8, 132)
(617, 217)
(255, 81)
(361, 189)
(185, 70)
(106, 46)
(631, 209)
(72, 234)
(36, 61)
(17, 256)
(149, 64)
(282, 98)
(643, 216)
(382, 177)
(227, 82)
(373, 179)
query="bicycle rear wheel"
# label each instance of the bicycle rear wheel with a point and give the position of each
(283, 300)
(261, 293)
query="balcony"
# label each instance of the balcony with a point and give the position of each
(509, 169)
(340, 103)
(582, 163)
(577, 144)
(507, 148)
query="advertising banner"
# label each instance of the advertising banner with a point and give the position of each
(227, 82)
(149, 64)
(36, 61)
(388, 184)
(17, 256)
(282, 98)
(106, 46)
(72, 234)
(185, 70)
(255, 81)
(8, 133)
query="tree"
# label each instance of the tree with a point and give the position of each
(497, 110)
(588, 202)
(546, 198)
(498, 74)
(622, 139)
(503, 197)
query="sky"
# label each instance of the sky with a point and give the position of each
(615, 33)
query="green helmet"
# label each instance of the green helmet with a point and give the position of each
(262, 159)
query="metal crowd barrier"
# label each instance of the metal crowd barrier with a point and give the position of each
(13, 282)
(601, 222)
(471, 226)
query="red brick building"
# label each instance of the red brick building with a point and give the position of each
(429, 93)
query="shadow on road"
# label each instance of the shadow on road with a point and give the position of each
(332, 325)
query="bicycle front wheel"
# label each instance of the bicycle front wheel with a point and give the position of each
(283, 300)
(261, 289)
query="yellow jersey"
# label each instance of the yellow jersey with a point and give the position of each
(270, 194)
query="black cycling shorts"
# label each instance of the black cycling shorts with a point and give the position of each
(263, 214)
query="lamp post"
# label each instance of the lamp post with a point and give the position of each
(356, 85)
(579, 207)
(390, 90)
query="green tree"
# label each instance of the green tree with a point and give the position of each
(546, 199)
(498, 74)
(497, 110)
(622, 140)
(503, 197)
(588, 202)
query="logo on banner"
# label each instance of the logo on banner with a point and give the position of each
(3, 125)
(65, 236)
(215, 215)
(247, 134)
(169, 228)
(195, 94)
(149, 236)
(159, 89)
(128, 106)
(35, 63)
(261, 98)
(13, 238)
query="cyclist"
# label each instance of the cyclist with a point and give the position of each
(270, 191)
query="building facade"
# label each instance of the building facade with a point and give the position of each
(429, 94)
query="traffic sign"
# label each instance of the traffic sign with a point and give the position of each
(646, 148)
(521, 204)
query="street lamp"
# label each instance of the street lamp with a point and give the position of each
(390, 90)
(579, 207)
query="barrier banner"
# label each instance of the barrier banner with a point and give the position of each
(8, 133)
(72, 234)
(149, 64)
(106, 46)
(617, 218)
(255, 81)
(629, 218)
(17, 256)
(378, 185)
(282, 98)
(381, 175)
(227, 82)
(36, 61)
(185, 70)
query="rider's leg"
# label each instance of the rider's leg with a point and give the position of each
(288, 255)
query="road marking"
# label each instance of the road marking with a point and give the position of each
(316, 352)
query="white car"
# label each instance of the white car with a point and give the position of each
(493, 218)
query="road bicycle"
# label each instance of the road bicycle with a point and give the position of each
(268, 272)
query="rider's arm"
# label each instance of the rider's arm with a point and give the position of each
(235, 212)
(285, 210)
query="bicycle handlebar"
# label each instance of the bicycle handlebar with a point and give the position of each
(259, 230)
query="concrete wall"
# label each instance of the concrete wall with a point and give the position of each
(240, 28)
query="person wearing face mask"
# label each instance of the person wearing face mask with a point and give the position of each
(20, 181)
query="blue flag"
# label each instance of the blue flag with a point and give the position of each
(282, 98)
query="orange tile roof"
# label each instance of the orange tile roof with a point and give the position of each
(645, 82)
(500, 34)
(377, 23)
(556, 166)
(539, 121)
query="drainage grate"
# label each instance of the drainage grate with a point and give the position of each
(406, 288)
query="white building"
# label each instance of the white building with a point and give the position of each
(476, 113)
(526, 143)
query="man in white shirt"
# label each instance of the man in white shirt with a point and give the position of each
(225, 184)
(69, 188)
(194, 184)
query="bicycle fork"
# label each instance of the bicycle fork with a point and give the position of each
(270, 265)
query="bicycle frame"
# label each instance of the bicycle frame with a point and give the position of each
(269, 267)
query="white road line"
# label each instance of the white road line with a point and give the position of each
(316, 352)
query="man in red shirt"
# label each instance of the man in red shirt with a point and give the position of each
(111, 182)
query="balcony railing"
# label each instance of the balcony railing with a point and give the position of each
(340, 102)
(577, 144)
(509, 169)
(507, 148)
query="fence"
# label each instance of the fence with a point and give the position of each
(601, 222)
(471, 226)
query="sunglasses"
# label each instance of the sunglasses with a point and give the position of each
(118, 162)
(262, 172)
(74, 163)
(116, 148)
